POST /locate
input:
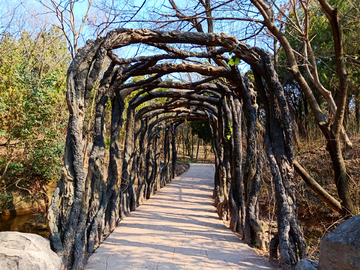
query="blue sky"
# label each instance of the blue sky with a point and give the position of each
(33, 7)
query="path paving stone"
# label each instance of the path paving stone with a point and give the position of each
(177, 228)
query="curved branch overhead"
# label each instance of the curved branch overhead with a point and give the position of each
(144, 112)
(88, 203)
(173, 54)
(191, 95)
(200, 87)
(181, 115)
(123, 37)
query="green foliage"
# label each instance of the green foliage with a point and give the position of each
(322, 42)
(234, 61)
(202, 129)
(6, 199)
(108, 143)
(45, 155)
(32, 105)
(228, 133)
(15, 168)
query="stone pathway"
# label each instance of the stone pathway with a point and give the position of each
(177, 228)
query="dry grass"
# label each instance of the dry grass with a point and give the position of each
(317, 219)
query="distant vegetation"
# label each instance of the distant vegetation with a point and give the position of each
(33, 111)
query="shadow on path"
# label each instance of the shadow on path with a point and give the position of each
(177, 228)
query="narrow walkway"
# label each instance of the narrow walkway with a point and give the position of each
(177, 228)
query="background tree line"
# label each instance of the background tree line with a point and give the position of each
(32, 108)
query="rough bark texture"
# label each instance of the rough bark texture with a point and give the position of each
(236, 191)
(86, 206)
(279, 148)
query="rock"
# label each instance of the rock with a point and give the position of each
(340, 250)
(26, 251)
(306, 264)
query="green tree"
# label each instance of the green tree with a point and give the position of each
(202, 129)
(32, 107)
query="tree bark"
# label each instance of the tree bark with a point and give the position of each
(126, 184)
(334, 144)
(279, 149)
(113, 189)
(236, 193)
(357, 108)
(66, 213)
(174, 149)
(142, 183)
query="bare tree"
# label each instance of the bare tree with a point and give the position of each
(331, 134)
(80, 19)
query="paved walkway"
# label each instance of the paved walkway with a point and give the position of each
(177, 228)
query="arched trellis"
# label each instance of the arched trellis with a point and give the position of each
(86, 206)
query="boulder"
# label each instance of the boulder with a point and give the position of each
(306, 264)
(340, 250)
(20, 251)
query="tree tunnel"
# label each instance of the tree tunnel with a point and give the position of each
(88, 204)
